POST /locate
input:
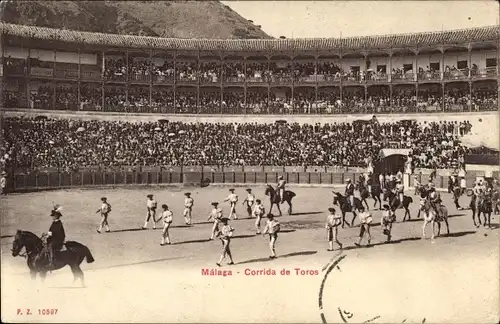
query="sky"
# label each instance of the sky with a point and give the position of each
(309, 19)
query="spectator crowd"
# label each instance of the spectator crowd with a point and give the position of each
(73, 144)
(257, 101)
(212, 74)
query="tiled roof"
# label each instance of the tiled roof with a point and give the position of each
(462, 36)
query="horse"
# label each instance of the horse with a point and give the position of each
(419, 190)
(343, 202)
(38, 261)
(495, 200)
(274, 198)
(457, 192)
(484, 206)
(394, 202)
(363, 193)
(430, 216)
(375, 192)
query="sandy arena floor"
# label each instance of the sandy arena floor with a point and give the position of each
(134, 279)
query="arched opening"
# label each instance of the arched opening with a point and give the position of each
(390, 164)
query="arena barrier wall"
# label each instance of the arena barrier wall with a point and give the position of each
(196, 175)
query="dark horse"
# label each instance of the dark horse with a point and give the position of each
(394, 202)
(345, 206)
(274, 198)
(479, 206)
(364, 194)
(38, 261)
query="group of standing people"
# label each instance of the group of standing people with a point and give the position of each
(220, 229)
(334, 221)
(255, 209)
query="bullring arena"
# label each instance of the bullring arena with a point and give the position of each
(133, 275)
(133, 279)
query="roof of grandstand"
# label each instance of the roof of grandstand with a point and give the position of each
(459, 37)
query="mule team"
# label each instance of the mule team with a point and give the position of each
(484, 200)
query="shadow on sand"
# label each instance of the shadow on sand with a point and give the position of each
(137, 229)
(408, 239)
(127, 230)
(307, 213)
(243, 236)
(279, 257)
(457, 234)
(456, 215)
(138, 263)
(192, 241)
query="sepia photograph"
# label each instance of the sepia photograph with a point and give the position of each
(249, 161)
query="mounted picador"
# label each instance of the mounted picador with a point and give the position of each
(55, 235)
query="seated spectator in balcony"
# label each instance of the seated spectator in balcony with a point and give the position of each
(257, 72)
(209, 72)
(187, 71)
(15, 66)
(210, 102)
(377, 76)
(186, 102)
(139, 101)
(457, 100)
(280, 72)
(139, 70)
(162, 101)
(233, 72)
(66, 98)
(10, 99)
(484, 99)
(329, 71)
(404, 101)
(257, 103)
(353, 102)
(164, 72)
(304, 72)
(115, 69)
(233, 102)
(115, 100)
(90, 98)
(42, 98)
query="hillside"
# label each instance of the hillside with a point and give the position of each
(178, 19)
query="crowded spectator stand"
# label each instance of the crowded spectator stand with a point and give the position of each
(34, 143)
(272, 77)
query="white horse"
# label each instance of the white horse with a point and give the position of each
(429, 217)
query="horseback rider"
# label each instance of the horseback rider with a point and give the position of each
(361, 180)
(478, 192)
(280, 188)
(369, 182)
(399, 175)
(495, 195)
(55, 235)
(349, 192)
(381, 180)
(400, 191)
(488, 193)
(435, 199)
(427, 188)
(416, 184)
(455, 189)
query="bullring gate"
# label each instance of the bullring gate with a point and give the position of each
(391, 160)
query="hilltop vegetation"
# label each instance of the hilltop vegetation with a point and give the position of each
(178, 19)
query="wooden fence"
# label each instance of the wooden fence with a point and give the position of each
(44, 180)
